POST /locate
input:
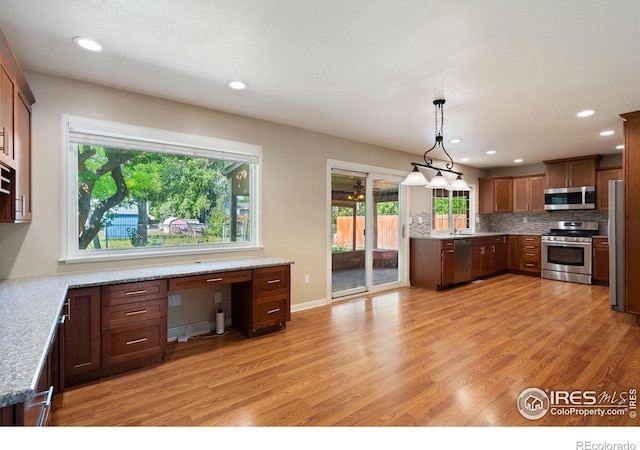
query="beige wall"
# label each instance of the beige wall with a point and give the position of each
(293, 179)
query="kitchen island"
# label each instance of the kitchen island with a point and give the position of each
(31, 310)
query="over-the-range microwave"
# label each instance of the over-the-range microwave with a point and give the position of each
(582, 197)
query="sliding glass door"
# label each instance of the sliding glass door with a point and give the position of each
(366, 231)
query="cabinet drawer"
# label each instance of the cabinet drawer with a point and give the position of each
(530, 265)
(446, 244)
(133, 341)
(211, 279)
(133, 312)
(601, 243)
(119, 294)
(270, 312)
(270, 281)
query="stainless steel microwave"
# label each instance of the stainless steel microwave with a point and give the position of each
(583, 197)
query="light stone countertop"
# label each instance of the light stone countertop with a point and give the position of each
(460, 235)
(30, 309)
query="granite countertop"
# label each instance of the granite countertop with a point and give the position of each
(459, 235)
(30, 309)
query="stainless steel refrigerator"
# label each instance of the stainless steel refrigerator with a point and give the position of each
(616, 244)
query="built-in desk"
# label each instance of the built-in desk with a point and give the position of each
(31, 310)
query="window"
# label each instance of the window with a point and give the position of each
(134, 192)
(450, 209)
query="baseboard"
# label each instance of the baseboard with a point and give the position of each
(309, 305)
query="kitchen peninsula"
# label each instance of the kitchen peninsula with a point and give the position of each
(40, 302)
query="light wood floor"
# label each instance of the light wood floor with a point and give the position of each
(409, 357)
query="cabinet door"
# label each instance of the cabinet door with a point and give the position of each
(521, 194)
(485, 195)
(556, 176)
(582, 172)
(601, 259)
(477, 256)
(22, 146)
(503, 194)
(602, 185)
(81, 333)
(6, 117)
(447, 267)
(537, 194)
(513, 250)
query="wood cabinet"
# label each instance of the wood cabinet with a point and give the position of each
(528, 193)
(572, 172)
(631, 164)
(495, 194)
(134, 322)
(82, 358)
(600, 269)
(513, 253)
(431, 263)
(16, 99)
(529, 257)
(488, 255)
(603, 175)
(264, 305)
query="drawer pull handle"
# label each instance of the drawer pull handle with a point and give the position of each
(529, 265)
(141, 291)
(604, 243)
(133, 313)
(213, 280)
(136, 341)
(271, 311)
(529, 254)
(273, 281)
(529, 246)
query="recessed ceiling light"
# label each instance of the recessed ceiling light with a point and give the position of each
(607, 133)
(455, 141)
(491, 152)
(620, 147)
(464, 159)
(519, 160)
(87, 43)
(586, 113)
(237, 85)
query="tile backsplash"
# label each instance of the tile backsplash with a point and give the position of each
(517, 223)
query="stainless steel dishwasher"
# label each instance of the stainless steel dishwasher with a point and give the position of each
(462, 260)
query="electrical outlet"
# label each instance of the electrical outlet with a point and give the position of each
(217, 297)
(524, 219)
(306, 279)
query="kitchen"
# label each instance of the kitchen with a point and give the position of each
(32, 249)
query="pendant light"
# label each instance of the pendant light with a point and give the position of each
(415, 178)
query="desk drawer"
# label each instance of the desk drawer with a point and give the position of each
(133, 312)
(269, 281)
(133, 341)
(119, 294)
(271, 312)
(211, 279)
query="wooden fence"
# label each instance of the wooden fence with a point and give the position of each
(387, 232)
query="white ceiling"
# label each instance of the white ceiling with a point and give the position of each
(513, 73)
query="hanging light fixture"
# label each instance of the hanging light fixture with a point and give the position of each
(358, 193)
(416, 178)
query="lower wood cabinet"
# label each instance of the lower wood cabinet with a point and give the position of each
(600, 268)
(529, 257)
(488, 255)
(82, 358)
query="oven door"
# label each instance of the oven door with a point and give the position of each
(571, 257)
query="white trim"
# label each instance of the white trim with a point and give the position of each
(375, 171)
(199, 145)
(309, 305)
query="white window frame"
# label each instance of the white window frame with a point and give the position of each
(192, 145)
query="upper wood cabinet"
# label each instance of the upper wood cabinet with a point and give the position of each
(495, 194)
(572, 172)
(528, 193)
(16, 99)
(603, 175)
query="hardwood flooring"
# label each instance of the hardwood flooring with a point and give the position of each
(408, 357)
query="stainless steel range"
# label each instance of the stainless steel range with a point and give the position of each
(567, 251)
